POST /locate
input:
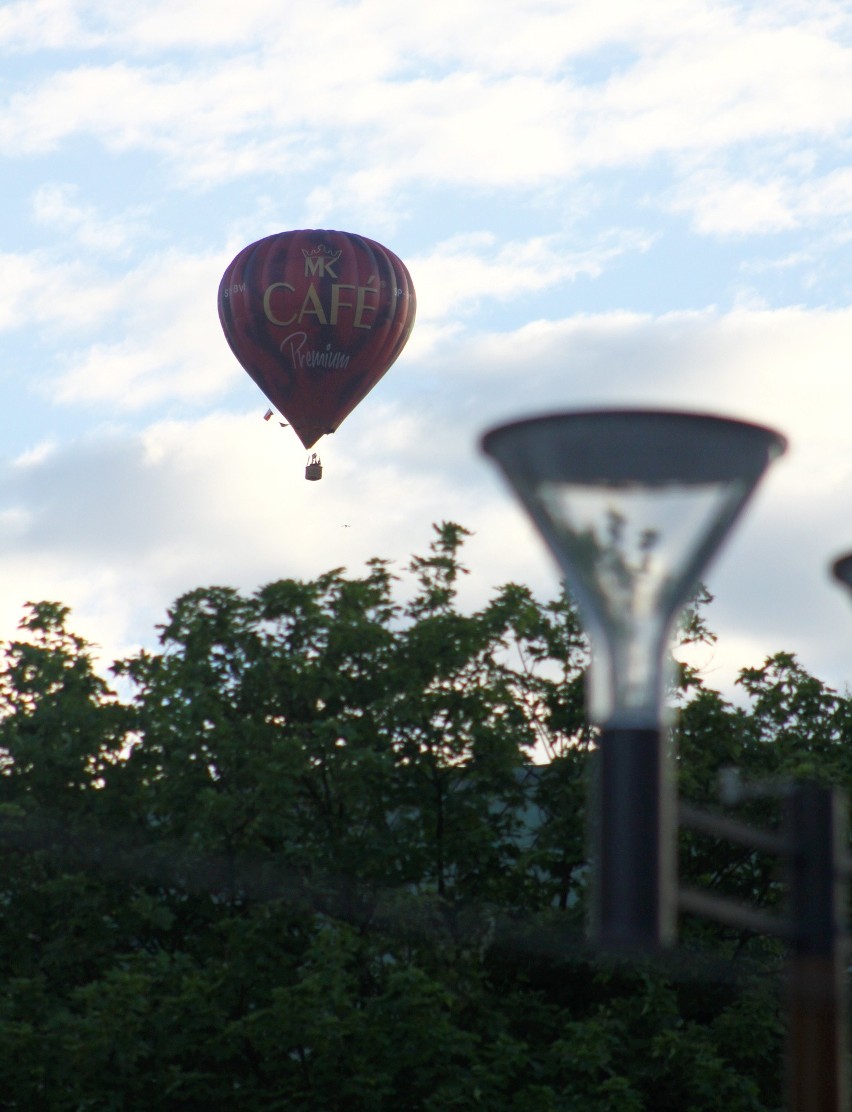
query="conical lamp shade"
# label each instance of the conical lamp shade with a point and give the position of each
(633, 504)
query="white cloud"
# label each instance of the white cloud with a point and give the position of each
(725, 202)
(440, 33)
(118, 525)
(564, 133)
(475, 267)
(151, 334)
(55, 205)
(721, 205)
(36, 455)
(42, 290)
(160, 316)
(45, 24)
(786, 366)
(697, 78)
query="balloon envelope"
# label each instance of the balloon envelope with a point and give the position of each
(316, 318)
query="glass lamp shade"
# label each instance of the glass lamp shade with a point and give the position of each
(633, 504)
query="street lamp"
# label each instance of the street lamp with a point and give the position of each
(633, 504)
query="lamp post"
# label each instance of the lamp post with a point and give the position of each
(633, 505)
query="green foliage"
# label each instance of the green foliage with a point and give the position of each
(329, 855)
(60, 726)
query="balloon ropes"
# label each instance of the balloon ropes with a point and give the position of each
(316, 318)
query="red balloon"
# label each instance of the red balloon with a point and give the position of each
(316, 318)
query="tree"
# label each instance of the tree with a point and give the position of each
(329, 854)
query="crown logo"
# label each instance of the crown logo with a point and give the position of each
(320, 260)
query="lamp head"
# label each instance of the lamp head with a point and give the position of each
(633, 504)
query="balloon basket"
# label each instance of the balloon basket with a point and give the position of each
(313, 470)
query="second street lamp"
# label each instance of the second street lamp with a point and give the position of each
(633, 505)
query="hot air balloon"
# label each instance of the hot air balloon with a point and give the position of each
(316, 318)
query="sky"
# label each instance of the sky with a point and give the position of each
(601, 203)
